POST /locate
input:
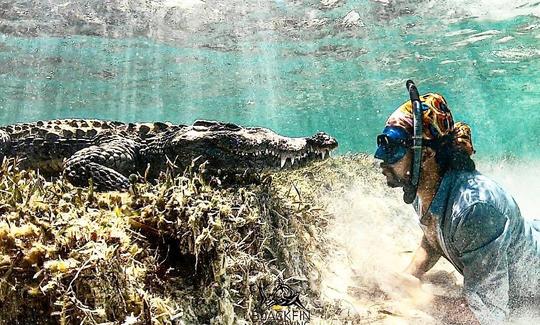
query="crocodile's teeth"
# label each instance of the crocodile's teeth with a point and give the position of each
(292, 160)
(323, 153)
(283, 160)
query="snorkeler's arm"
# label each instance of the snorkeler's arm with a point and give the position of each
(423, 260)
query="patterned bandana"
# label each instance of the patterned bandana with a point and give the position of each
(437, 121)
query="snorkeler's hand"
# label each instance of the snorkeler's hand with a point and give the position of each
(401, 285)
(406, 281)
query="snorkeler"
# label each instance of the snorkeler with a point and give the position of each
(465, 216)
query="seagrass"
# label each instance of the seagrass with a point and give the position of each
(179, 251)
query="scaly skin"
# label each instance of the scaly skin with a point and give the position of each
(108, 151)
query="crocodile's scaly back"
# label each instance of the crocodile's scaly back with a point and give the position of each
(46, 144)
(73, 129)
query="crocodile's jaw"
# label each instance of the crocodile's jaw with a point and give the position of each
(250, 148)
(290, 152)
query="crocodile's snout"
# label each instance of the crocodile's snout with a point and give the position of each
(323, 141)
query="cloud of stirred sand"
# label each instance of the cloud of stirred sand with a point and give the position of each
(374, 235)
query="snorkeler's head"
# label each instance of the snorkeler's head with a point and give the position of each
(440, 146)
(438, 129)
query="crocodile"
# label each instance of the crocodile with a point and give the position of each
(109, 153)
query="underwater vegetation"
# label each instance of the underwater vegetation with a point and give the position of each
(179, 251)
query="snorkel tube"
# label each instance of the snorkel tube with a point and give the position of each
(409, 191)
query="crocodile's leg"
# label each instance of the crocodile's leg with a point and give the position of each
(107, 164)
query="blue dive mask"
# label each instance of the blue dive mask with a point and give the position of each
(392, 144)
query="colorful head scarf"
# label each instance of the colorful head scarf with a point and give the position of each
(437, 121)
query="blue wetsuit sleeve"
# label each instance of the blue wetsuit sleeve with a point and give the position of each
(481, 239)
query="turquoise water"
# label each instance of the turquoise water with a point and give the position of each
(300, 75)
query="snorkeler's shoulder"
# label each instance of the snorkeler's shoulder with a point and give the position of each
(472, 187)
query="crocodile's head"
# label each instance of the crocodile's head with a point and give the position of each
(230, 147)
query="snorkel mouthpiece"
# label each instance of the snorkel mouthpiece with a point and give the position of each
(409, 192)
